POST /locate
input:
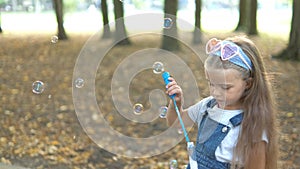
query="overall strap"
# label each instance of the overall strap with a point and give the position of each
(210, 104)
(237, 120)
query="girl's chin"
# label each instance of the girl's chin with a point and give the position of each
(221, 104)
(227, 106)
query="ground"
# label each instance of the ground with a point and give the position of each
(42, 130)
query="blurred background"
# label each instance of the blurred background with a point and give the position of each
(41, 40)
(85, 15)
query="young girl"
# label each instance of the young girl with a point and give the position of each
(236, 124)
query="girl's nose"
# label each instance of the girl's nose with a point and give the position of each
(214, 91)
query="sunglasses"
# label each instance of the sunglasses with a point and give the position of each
(228, 51)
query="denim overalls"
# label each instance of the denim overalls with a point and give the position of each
(207, 144)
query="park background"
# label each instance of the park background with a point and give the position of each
(42, 130)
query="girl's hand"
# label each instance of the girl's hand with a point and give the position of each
(174, 88)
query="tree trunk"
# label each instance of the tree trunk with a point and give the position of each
(120, 34)
(169, 39)
(58, 6)
(106, 27)
(292, 51)
(197, 30)
(14, 4)
(242, 24)
(37, 6)
(0, 24)
(252, 29)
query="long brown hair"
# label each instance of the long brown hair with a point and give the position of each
(259, 108)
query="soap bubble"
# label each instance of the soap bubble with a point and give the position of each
(158, 67)
(163, 111)
(179, 131)
(38, 87)
(54, 39)
(138, 109)
(173, 164)
(79, 83)
(168, 23)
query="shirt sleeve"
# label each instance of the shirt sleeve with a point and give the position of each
(196, 111)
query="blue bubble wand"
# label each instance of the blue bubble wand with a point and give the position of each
(190, 145)
(165, 76)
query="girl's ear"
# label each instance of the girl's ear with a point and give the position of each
(249, 83)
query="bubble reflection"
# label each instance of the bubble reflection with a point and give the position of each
(163, 111)
(38, 87)
(158, 67)
(138, 109)
(79, 83)
(54, 39)
(168, 23)
(173, 164)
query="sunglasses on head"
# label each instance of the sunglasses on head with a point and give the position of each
(228, 51)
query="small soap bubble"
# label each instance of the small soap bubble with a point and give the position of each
(168, 23)
(158, 67)
(173, 164)
(163, 111)
(138, 109)
(179, 131)
(79, 83)
(75, 138)
(38, 87)
(54, 39)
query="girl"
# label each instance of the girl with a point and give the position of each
(236, 124)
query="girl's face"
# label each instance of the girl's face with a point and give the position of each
(227, 87)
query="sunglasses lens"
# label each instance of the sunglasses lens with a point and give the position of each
(212, 45)
(229, 51)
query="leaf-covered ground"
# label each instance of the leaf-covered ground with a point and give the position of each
(42, 130)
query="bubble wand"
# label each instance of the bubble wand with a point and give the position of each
(190, 145)
(165, 76)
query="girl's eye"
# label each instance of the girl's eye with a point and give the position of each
(226, 87)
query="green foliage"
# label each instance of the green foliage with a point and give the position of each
(289, 2)
(139, 4)
(3, 2)
(70, 5)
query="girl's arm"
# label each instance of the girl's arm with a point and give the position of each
(174, 88)
(257, 158)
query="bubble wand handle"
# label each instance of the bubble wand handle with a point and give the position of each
(181, 122)
(165, 76)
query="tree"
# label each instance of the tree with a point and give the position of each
(106, 27)
(252, 29)
(120, 35)
(169, 40)
(242, 24)
(58, 6)
(247, 17)
(292, 51)
(0, 23)
(197, 30)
